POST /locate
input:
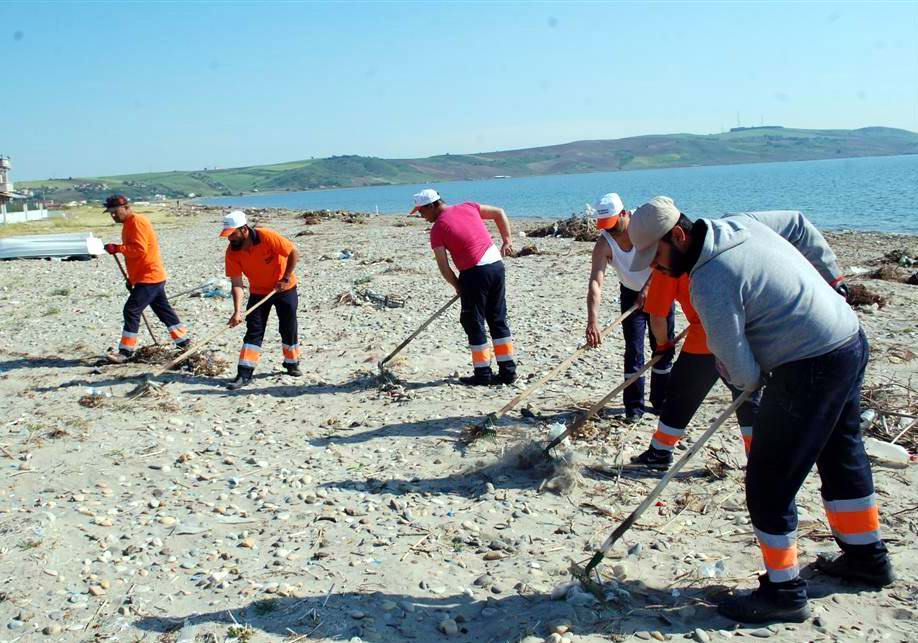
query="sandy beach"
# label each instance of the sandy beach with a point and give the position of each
(336, 508)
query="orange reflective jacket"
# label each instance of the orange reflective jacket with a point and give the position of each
(263, 262)
(141, 251)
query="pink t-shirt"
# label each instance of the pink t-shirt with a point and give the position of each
(462, 232)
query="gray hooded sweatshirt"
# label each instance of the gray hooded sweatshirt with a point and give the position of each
(762, 303)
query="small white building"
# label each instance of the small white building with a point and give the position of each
(7, 195)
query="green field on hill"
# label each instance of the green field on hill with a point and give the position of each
(743, 145)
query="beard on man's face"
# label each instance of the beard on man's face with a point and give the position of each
(236, 244)
(678, 262)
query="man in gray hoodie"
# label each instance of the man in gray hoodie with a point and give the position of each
(772, 319)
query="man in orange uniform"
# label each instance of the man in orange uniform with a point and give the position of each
(146, 278)
(267, 260)
(693, 374)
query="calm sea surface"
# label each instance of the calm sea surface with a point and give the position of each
(862, 194)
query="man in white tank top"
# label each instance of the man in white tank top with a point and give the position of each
(615, 248)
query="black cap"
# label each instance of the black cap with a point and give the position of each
(115, 201)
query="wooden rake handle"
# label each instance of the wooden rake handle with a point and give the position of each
(198, 346)
(653, 495)
(605, 400)
(560, 368)
(143, 314)
(418, 331)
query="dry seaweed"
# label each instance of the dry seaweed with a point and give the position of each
(576, 227)
(204, 363)
(525, 251)
(860, 295)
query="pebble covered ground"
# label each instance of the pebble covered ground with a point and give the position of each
(343, 507)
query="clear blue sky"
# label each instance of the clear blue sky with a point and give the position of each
(105, 88)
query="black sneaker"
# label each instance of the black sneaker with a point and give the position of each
(633, 415)
(506, 377)
(658, 459)
(770, 603)
(875, 574)
(293, 370)
(242, 379)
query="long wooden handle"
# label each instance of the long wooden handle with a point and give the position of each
(653, 495)
(605, 400)
(563, 366)
(199, 345)
(143, 315)
(419, 330)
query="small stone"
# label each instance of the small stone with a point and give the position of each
(449, 627)
(701, 636)
(167, 521)
(644, 636)
(95, 590)
(105, 584)
(533, 639)
(658, 636)
(248, 543)
(561, 628)
(494, 555)
(52, 630)
(762, 633)
(554, 637)
(357, 615)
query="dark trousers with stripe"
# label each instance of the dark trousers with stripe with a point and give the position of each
(153, 296)
(690, 381)
(482, 295)
(285, 303)
(810, 414)
(634, 328)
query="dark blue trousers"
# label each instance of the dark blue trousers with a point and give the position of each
(154, 296)
(810, 414)
(285, 303)
(482, 295)
(692, 377)
(634, 329)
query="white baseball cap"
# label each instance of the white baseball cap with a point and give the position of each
(424, 197)
(608, 209)
(648, 225)
(233, 220)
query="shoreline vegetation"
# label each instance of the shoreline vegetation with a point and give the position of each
(770, 144)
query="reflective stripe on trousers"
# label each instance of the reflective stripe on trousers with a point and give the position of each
(503, 349)
(249, 355)
(780, 554)
(128, 341)
(855, 521)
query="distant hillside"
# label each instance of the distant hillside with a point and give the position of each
(741, 145)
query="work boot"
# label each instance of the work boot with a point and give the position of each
(658, 459)
(483, 376)
(868, 572)
(506, 374)
(293, 370)
(243, 377)
(770, 603)
(121, 357)
(633, 415)
(183, 345)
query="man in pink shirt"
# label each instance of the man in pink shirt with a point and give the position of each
(460, 230)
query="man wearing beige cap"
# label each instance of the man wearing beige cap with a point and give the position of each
(614, 248)
(771, 318)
